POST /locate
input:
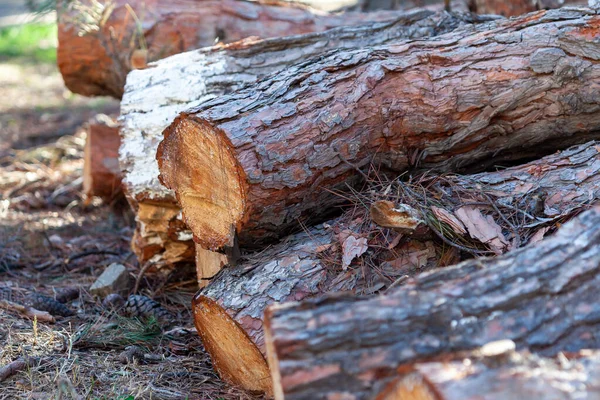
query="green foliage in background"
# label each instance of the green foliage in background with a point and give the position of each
(41, 6)
(35, 41)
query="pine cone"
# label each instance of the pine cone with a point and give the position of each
(144, 307)
(48, 304)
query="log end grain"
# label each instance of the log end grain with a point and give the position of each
(235, 357)
(411, 386)
(208, 181)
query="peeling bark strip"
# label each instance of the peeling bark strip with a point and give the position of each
(511, 375)
(99, 43)
(259, 159)
(543, 297)
(156, 95)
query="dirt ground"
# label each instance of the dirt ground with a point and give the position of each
(52, 243)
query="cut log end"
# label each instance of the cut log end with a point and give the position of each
(207, 179)
(412, 386)
(236, 358)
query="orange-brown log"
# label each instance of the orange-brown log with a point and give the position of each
(101, 172)
(255, 162)
(156, 95)
(542, 297)
(99, 43)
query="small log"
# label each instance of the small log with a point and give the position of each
(228, 312)
(305, 266)
(101, 171)
(508, 375)
(256, 161)
(155, 96)
(543, 297)
(98, 44)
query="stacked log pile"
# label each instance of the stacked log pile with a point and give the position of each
(406, 208)
(155, 96)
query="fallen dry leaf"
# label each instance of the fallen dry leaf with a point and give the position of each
(384, 213)
(353, 248)
(539, 235)
(483, 228)
(449, 218)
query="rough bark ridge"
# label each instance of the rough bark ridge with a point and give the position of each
(293, 270)
(156, 95)
(509, 375)
(543, 297)
(517, 89)
(100, 43)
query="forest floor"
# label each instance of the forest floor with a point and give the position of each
(52, 241)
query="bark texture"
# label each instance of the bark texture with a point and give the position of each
(543, 297)
(304, 265)
(228, 312)
(101, 172)
(511, 375)
(99, 43)
(256, 161)
(156, 95)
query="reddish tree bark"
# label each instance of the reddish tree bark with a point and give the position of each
(155, 96)
(256, 161)
(543, 297)
(505, 375)
(304, 266)
(98, 44)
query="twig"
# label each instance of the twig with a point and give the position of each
(353, 166)
(16, 366)
(90, 253)
(145, 268)
(29, 312)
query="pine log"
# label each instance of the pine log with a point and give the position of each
(98, 44)
(543, 297)
(228, 312)
(101, 172)
(156, 95)
(258, 160)
(505, 375)
(306, 265)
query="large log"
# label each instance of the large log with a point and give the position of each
(308, 264)
(543, 297)
(156, 95)
(257, 161)
(98, 44)
(491, 373)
